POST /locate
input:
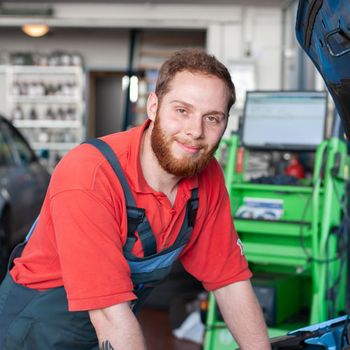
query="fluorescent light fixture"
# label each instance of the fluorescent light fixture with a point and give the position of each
(134, 88)
(125, 82)
(35, 30)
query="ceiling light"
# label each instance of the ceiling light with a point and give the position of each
(35, 30)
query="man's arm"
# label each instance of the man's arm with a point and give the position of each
(242, 314)
(117, 328)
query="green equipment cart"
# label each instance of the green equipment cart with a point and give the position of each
(299, 261)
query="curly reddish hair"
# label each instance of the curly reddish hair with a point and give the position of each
(194, 61)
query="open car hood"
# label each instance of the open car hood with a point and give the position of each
(323, 31)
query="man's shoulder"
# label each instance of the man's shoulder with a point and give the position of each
(79, 167)
(120, 141)
(88, 156)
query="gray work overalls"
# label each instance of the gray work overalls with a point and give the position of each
(40, 320)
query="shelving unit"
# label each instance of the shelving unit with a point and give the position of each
(47, 124)
(47, 104)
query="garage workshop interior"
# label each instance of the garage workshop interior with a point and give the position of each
(71, 71)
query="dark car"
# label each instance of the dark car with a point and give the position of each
(23, 184)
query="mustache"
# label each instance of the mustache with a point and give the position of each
(189, 143)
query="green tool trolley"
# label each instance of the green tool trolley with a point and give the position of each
(299, 259)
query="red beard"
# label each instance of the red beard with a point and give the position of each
(181, 167)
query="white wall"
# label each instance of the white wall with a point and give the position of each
(259, 31)
(107, 49)
(266, 45)
(257, 38)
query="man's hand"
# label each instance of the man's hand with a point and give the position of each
(242, 314)
(117, 328)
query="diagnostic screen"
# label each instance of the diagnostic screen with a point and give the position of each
(284, 119)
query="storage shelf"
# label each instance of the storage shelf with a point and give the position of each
(61, 95)
(45, 69)
(270, 187)
(64, 146)
(46, 99)
(276, 252)
(47, 123)
(273, 227)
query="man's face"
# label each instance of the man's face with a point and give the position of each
(189, 122)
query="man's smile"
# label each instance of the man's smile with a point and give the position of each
(188, 147)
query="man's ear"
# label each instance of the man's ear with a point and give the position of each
(152, 106)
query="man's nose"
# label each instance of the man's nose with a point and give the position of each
(194, 127)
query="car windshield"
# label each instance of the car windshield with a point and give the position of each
(6, 155)
(22, 151)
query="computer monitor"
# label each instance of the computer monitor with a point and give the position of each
(288, 120)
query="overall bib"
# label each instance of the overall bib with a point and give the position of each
(40, 320)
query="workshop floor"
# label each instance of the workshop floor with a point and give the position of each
(157, 331)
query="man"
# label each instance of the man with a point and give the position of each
(85, 255)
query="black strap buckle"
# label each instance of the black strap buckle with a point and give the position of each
(192, 212)
(135, 218)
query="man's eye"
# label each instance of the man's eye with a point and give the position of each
(212, 119)
(181, 110)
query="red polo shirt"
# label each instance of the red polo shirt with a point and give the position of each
(79, 237)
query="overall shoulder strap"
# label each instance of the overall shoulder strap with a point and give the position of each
(193, 207)
(108, 153)
(137, 219)
(190, 218)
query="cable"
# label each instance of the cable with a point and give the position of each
(342, 246)
(343, 236)
(309, 256)
(302, 237)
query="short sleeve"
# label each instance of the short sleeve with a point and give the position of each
(215, 256)
(89, 245)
